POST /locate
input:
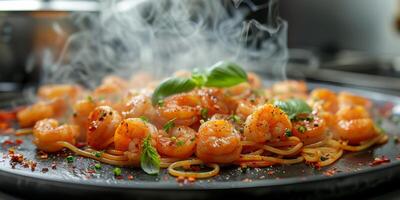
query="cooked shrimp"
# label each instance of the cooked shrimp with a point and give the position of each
(266, 123)
(31, 114)
(112, 79)
(213, 100)
(218, 142)
(179, 142)
(49, 92)
(81, 111)
(103, 121)
(311, 129)
(129, 137)
(352, 112)
(356, 130)
(137, 106)
(48, 132)
(184, 108)
(346, 98)
(254, 80)
(325, 99)
(289, 87)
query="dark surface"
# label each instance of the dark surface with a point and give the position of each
(354, 176)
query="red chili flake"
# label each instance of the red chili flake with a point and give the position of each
(33, 165)
(53, 166)
(247, 180)
(180, 179)
(130, 177)
(330, 172)
(91, 171)
(17, 158)
(11, 151)
(4, 125)
(119, 177)
(45, 169)
(80, 144)
(18, 141)
(379, 160)
(270, 172)
(8, 142)
(191, 179)
(8, 115)
(43, 155)
(25, 165)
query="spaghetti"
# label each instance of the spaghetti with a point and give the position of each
(193, 132)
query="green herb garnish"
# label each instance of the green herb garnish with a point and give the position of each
(302, 129)
(225, 74)
(180, 143)
(97, 166)
(169, 125)
(288, 133)
(149, 159)
(89, 98)
(204, 113)
(143, 118)
(293, 107)
(235, 118)
(70, 159)
(222, 74)
(98, 154)
(117, 171)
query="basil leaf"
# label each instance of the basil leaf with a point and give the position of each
(293, 107)
(172, 86)
(149, 159)
(225, 74)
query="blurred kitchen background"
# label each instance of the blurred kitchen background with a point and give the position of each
(354, 42)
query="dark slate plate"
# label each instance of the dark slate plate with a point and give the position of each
(77, 179)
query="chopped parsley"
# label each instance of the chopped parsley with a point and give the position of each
(288, 133)
(180, 143)
(97, 166)
(235, 118)
(204, 113)
(169, 125)
(117, 171)
(70, 159)
(302, 129)
(143, 118)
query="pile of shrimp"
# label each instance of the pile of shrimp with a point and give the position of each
(211, 126)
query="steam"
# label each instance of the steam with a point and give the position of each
(162, 36)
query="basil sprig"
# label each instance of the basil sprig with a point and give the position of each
(222, 74)
(293, 107)
(149, 159)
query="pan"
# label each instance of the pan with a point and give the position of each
(55, 176)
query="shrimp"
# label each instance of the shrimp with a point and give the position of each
(81, 111)
(129, 137)
(254, 80)
(267, 122)
(137, 106)
(356, 130)
(352, 112)
(245, 108)
(324, 99)
(346, 98)
(103, 121)
(213, 100)
(289, 87)
(310, 130)
(184, 108)
(48, 132)
(50, 92)
(218, 142)
(31, 114)
(179, 142)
